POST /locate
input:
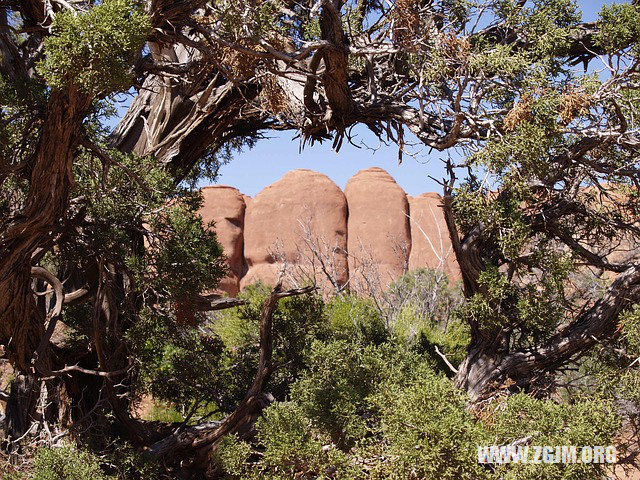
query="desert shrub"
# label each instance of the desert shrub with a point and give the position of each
(335, 391)
(384, 412)
(427, 292)
(422, 311)
(426, 429)
(232, 457)
(380, 410)
(66, 463)
(124, 462)
(291, 448)
(355, 318)
(178, 364)
(119, 461)
(291, 441)
(587, 421)
(210, 366)
(452, 340)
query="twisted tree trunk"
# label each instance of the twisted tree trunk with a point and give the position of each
(50, 182)
(484, 368)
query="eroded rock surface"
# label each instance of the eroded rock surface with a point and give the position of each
(378, 225)
(430, 242)
(305, 220)
(225, 206)
(302, 207)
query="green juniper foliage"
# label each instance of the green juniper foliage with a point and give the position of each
(618, 26)
(66, 463)
(366, 409)
(95, 50)
(379, 412)
(363, 388)
(297, 322)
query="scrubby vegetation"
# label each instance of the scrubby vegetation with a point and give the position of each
(352, 398)
(106, 268)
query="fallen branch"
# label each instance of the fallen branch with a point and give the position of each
(77, 368)
(209, 303)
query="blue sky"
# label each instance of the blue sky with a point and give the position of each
(254, 169)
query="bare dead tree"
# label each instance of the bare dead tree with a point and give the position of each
(317, 250)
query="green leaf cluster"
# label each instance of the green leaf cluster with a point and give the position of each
(177, 363)
(619, 27)
(297, 322)
(66, 463)
(587, 421)
(95, 50)
(350, 317)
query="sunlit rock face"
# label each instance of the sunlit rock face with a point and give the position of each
(286, 221)
(225, 207)
(378, 228)
(430, 242)
(365, 238)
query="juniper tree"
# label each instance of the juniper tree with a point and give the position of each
(540, 106)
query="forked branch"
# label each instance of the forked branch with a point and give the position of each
(205, 438)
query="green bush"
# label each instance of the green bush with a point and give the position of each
(124, 462)
(290, 442)
(292, 449)
(66, 463)
(452, 341)
(427, 292)
(384, 412)
(427, 430)
(298, 445)
(232, 456)
(178, 364)
(587, 421)
(335, 391)
(297, 322)
(423, 310)
(120, 461)
(355, 318)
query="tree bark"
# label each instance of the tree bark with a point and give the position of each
(47, 202)
(21, 406)
(179, 121)
(484, 368)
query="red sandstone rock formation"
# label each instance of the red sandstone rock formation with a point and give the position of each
(388, 232)
(379, 234)
(275, 224)
(430, 242)
(225, 206)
